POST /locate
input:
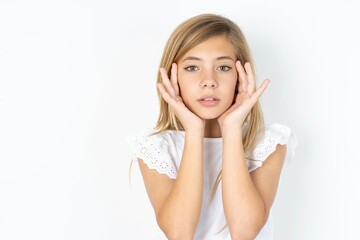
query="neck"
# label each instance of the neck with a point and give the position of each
(212, 129)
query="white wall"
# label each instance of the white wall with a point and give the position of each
(76, 77)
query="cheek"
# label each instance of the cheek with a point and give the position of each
(185, 85)
(184, 89)
(231, 84)
(232, 91)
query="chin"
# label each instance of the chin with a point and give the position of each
(208, 115)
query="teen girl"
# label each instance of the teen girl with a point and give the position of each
(210, 167)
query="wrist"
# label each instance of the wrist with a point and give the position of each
(231, 131)
(198, 133)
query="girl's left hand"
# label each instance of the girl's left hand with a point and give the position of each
(246, 98)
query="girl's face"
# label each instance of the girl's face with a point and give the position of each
(207, 77)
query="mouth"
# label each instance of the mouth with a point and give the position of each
(209, 100)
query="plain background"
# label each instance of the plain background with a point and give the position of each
(77, 77)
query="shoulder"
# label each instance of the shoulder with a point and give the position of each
(151, 135)
(157, 150)
(276, 139)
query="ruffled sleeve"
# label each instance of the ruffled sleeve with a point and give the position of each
(273, 135)
(154, 150)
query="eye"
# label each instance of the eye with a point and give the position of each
(191, 68)
(224, 68)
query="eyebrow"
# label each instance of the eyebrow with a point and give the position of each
(199, 59)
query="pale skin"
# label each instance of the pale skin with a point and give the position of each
(212, 68)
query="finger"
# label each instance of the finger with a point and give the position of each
(239, 78)
(166, 83)
(164, 93)
(174, 79)
(242, 77)
(250, 78)
(261, 89)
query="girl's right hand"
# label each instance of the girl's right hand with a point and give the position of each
(170, 92)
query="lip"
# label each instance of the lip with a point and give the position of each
(208, 103)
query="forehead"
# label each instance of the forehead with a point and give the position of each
(212, 48)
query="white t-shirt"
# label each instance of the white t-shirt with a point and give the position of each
(163, 152)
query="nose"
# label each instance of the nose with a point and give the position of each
(209, 84)
(209, 81)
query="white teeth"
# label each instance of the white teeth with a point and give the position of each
(209, 99)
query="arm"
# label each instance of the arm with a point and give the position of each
(177, 203)
(247, 198)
